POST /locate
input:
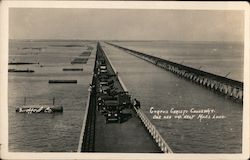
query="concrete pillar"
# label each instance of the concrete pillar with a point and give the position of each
(209, 83)
(212, 84)
(182, 73)
(205, 81)
(235, 92)
(221, 87)
(191, 76)
(225, 88)
(166, 66)
(194, 78)
(161, 64)
(186, 75)
(240, 94)
(197, 79)
(178, 72)
(217, 85)
(229, 90)
(171, 68)
(201, 80)
(174, 70)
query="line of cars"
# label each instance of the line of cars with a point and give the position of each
(111, 100)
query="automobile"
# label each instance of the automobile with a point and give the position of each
(106, 82)
(113, 111)
(104, 89)
(103, 71)
(103, 67)
(103, 77)
(113, 115)
(101, 61)
(101, 101)
(124, 99)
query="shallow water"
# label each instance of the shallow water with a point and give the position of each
(219, 58)
(57, 132)
(158, 88)
(153, 86)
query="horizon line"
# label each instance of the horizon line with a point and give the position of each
(68, 39)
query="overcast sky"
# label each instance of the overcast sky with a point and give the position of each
(99, 24)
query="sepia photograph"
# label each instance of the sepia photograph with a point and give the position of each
(129, 80)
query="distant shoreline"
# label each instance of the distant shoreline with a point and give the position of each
(89, 40)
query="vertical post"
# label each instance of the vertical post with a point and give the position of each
(24, 103)
(53, 100)
(227, 74)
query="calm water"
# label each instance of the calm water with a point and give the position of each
(219, 58)
(151, 85)
(160, 89)
(47, 132)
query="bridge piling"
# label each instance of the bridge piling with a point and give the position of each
(216, 83)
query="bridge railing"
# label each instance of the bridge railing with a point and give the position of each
(150, 127)
(154, 132)
(113, 68)
(83, 130)
(84, 124)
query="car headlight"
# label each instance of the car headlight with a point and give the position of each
(116, 115)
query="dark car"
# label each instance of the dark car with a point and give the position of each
(113, 111)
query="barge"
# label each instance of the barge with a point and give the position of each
(62, 81)
(20, 70)
(21, 63)
(72, 69)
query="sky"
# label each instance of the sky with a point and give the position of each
(125, 24)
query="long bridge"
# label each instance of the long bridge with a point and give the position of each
(216, 83)
(135, 133)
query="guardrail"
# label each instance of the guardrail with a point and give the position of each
(219, 84)
(154, 132)
(83, 130)
(84, 124)
(117, 74)
(146, 122)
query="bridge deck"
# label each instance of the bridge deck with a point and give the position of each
(129, 136)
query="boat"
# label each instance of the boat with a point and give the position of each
(20, 70)
(39, 109)
(22, 63)
(62, 81)
(72, 69)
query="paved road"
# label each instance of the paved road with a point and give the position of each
(130, 136)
